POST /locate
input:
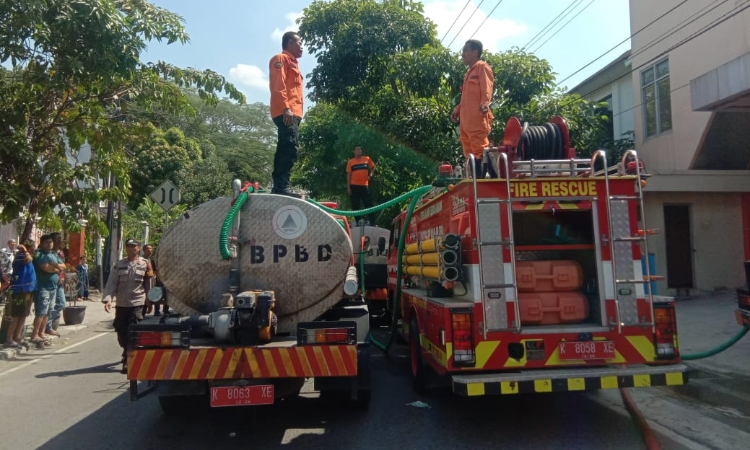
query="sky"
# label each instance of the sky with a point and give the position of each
(237, 38)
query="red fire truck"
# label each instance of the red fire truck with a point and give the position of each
(524, 274)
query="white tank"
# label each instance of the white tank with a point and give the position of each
(286, 245)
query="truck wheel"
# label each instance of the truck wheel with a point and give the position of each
(417, 365)
(177, 405)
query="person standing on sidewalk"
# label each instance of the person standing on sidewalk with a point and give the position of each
(55, 309)
(23, 286)
(47, 266)
(128, 283)
(83, 278)
(359, 170)
(285, 82)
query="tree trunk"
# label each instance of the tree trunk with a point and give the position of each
(29, 226)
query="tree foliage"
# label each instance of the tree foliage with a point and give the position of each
(75, 76)
(204, 180)
(242, 135)
(384, 68)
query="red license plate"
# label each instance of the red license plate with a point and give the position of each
(241, 395)
(586, 350)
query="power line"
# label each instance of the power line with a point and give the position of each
(551, 23)
(455, 20)
(622, 42)
(696, 34)
(565, 25)
(485, 19)
(467, 21)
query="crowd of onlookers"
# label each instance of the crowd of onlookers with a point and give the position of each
(36, 277)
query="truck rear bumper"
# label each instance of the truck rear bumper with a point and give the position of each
(568, 380)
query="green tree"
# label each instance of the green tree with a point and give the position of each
(329, 137)
(159, 158)
(203, 181)
(154, 215)
(75, 75)
(244, 136)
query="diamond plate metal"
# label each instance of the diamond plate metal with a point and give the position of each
(306, 278)
(492, 268)
(623, 258)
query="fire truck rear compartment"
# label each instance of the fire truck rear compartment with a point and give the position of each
(563, 242)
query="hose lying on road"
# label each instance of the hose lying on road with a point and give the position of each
(635, 413)
(719, 349)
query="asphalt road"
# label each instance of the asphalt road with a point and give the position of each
(75, 398)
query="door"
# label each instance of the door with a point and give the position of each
(678, 237)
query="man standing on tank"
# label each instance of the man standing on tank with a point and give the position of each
(473, 112)
(285, 81)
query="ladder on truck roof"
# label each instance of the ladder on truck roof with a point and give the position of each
(490, 243)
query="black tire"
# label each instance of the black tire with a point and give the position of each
(179, 405)
(418, 382)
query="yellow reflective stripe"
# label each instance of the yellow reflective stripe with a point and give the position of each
(268, 357)
(233, 361)
(609, 382)
(287, 361)
(542, 385)
(180, 367)
(473, 389)
(321, 360)
(484, 351)
(165, 357)
(254, 367)
(674, 379)
(149, 355)
(338, 360)
(306, 368)
(215, 365)
(197, 366)
(508, 387)
(576, 384)
(641, 380)
(644, 346)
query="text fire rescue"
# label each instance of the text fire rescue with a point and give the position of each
(571, 188)
(258, 256)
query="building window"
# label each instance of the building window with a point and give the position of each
(656, 98)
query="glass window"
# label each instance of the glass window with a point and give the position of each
(656, 99)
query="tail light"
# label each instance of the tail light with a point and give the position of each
(463, 338)
(159, 336)
(309, 333)
(665, 338)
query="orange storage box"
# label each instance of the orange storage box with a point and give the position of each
(552, 308)
(548, 276)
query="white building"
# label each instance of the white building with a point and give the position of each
(689, 73)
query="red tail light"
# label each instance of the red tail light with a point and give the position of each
(665, 338)
(147, 336)
(343, 332)
(463, 338)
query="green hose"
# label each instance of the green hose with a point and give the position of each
(401, 240)
(719, 349)
(227, 225)
(363, 212)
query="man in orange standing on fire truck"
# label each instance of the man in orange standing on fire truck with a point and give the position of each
(285, 81)
(473, 111)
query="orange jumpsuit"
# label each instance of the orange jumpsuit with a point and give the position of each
(285, 81)
(474, 125)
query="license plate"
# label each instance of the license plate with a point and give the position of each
(587, 350)
(241, 395)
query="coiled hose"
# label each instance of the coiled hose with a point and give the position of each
(541, 142)
(229, 220)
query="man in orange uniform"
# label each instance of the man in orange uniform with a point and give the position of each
(285, 81)
(474, 109)
(358, 172)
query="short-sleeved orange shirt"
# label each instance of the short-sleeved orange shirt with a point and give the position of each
(360, 170)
